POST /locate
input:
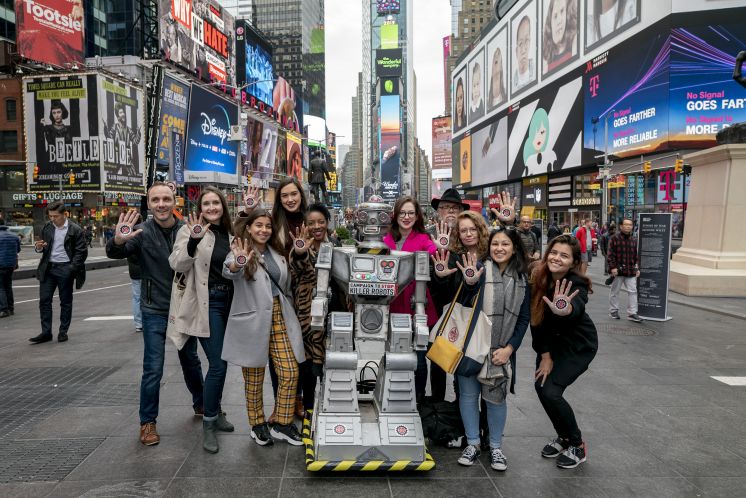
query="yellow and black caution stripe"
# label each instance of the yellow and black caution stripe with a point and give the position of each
(374, 250)
(313, 465)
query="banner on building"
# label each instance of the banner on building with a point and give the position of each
(261, 149)
(61, 121)
(441, 143)
(294, 156)
(390, 151)
(174, 114)
(50, 32)
(122, 146)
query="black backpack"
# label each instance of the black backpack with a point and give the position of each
(441, 421)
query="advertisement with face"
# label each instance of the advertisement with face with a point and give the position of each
(199, 36)
(262, 145)
(284, 103)
(174, 110)
(545, 132)
(630, 86)
(605, 19)
(122, 145)
(294, 156)
(489, 153)
(523, 30)
(51, 31)
(476, 87)
(61, 121)
(497, 65)
(254, 62)
(441, 143)
(459, 101)
(210, 155)
(465, 160)
(390, 139)
(559, 36)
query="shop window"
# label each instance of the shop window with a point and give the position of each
(8, 141)
(11, 112)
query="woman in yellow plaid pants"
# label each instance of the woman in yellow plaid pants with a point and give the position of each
(262, 324)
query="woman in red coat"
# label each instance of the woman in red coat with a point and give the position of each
(408, 234)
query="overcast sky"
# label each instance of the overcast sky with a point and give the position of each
(432, 21)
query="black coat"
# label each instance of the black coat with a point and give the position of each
(76, 248)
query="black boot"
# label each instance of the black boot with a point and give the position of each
(222, 423)
(209, 436)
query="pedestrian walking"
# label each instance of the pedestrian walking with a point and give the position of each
(565, 341)
(586, 236)
(152, 244)
(553, 231)
(528, 237)
(10, 246)
(89, 235)
(63, 253)
(603, 242)
(624, 267)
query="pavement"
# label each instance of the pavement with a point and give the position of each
(655, 421)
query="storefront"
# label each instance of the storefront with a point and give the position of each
(559, 201)
(534, 199)
(587, 197)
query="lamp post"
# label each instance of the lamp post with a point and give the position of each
(605, 169)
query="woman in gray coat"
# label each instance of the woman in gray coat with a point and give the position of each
(262, 324)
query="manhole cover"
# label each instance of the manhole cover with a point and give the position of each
(43, 459)
(610, 328)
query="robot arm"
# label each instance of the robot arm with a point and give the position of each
(422, 277)
(320, 303)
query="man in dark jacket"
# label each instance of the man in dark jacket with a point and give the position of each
(528, 237)
(318, 174)
(152, 243)
(623, 266)
(10, 246)
(553, 231)
(63, 253)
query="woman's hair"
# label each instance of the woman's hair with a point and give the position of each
(462, 111)
(225, 219)
(419, 222)
(280, 215)
(457, 247)
(519, 260)
(550, 50)
(273, 242)
(621, 6)
(498, 53)
(318, 207)
(539, 119)
(542, 283)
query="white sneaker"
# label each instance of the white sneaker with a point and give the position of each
(497, 459)
(470, 455)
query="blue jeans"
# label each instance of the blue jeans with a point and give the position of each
(470, 390)
(154, 337)
(220, 305)
(136, 310)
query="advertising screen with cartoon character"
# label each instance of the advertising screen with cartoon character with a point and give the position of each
(545, 131)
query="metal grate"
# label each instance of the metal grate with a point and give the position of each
(43, 459)
(49, 376)
(610, 328)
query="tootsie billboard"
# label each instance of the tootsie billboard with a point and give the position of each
(50, 31)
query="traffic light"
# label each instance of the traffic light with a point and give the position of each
(646, 167)
(679, 165)
(36, 172)
(72, 178)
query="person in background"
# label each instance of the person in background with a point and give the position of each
(539, 236)
(586, 236)
(565, 341)
(89, 235)
(10, 246)
(624, 267)
(63, 253)
(528, 237)
(603, 242)
(553, 231)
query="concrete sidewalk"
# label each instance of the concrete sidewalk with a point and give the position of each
(28, 260)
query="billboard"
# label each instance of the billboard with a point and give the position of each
(173, 118)
(261, 139)
(497, 69)
(210, 155)
(459, 101)
(199, 36)
(314, 70)
(122, 109)
(489, 153)
(390, 150)
(559, 35)
(603, 23)
(388, 62)
(294, 156)
(61, 120)
(441, 143)
(387, 6)
(254, 62)
(51, 32)
(390, 36)
(285, 105)
(476, 87)
(523, 38)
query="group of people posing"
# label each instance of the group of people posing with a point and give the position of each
(243, 288)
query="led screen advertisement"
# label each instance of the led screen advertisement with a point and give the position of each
(390, 151)
(50, 31)
(199, 36)
(254, 62)
(210, 155)
(173, 119)
(630, 85)
(441, 143)
(388, 62)
(390, 36)
(314, 69)
(294, 152)
(387, 6)
(62, 124)
(489, 153)
(122, 110)
(261, 149)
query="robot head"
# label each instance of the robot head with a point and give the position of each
(374, 218)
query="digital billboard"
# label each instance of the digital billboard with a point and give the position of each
(50, 32)
(388, 62)
(122, 108)
(261, 149)
(285, 105)
(476, 87)
(390, 36)
(199, 36)
(390, 151)
(559, 34)
(387, 6)
(459, 101)
(294, 156)
(314, 71)
(489, 153)
(210, 155)
(62, 121)
(173, 119)
(441, 143)
(606, 20)
(497, 70)
(254, 62)
(523, 51)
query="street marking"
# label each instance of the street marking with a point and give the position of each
(80, 292)
(107, 318)
(731, 381)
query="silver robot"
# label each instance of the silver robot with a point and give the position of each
(384, 431)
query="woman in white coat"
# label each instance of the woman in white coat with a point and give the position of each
(262, 324)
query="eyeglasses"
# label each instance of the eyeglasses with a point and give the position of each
(452, 208)
(466, 231)
(407, 214)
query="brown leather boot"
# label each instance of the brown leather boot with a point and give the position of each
(272, 418)
(148, 435)
(299, 411)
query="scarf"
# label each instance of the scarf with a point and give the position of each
(503, 297)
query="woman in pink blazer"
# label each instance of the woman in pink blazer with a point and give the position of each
(408, 234)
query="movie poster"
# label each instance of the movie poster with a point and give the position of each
(294, 156)
(174, 113)
(62, 133)
(51, 31)
(261, 150)
(122, 130)
(390, 140)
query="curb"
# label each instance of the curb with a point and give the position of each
(96, 265)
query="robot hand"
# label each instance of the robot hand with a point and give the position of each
(319, 310)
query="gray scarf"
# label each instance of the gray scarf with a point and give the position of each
(503, 297)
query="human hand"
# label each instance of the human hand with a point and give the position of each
(506, 213)
(241, 253)
(39, 245)
(440, 262)
(250, 198)
(545, 368)
(197, 229)
(561, 304)
(469, 269)
(124, 230)
(614, 272)
(501, 356)
(637, 274)
(443, 237)
(301, 240)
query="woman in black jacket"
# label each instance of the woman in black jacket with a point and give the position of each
(565, 341)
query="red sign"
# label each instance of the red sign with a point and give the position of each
(494, 201)
(474, 205)
(181, 11)
(51, 31)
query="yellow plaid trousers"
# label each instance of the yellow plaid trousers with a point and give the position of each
(283, 358)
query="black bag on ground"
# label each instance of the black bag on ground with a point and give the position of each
(441, 421)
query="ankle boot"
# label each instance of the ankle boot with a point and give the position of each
(222, 423)
(209, 436)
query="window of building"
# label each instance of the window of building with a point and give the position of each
(11, 112)
(8, 141)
